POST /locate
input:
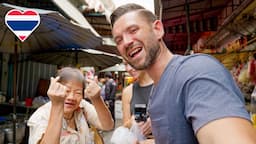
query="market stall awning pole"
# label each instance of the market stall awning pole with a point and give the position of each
(14, 88)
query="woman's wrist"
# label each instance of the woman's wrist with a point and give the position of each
(96, 99)
(57, 107)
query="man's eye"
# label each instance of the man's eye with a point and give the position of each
(133, 30)
(118, 41)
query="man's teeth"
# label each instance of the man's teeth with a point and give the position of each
(134, 52)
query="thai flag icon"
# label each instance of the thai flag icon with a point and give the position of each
(22, 24)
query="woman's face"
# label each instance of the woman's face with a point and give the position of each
(134, 73)
(74, 96)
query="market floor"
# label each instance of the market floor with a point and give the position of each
(107, 135)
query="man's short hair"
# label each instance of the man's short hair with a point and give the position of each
(117, 13)
(108, 75)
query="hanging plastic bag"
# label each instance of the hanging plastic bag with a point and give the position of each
(122, 135)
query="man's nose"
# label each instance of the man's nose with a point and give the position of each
(127, 41)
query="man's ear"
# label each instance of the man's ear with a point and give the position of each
(158, 29)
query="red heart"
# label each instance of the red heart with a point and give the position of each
(17, 12)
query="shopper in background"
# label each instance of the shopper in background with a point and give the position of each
(110, 93)
(136, 93)
(195, 99)
(252, 76)
(252, 68)
(65, 119)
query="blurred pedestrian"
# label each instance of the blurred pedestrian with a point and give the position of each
(110, 93)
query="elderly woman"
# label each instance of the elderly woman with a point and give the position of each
(65, 118)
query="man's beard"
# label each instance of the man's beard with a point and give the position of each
(151, 55)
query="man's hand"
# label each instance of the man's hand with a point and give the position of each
(57, 92)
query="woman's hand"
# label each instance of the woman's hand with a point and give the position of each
(57, 92)
(128, 123)
(92, 90)
(145, 127)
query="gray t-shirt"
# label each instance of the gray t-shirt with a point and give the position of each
(192, 91)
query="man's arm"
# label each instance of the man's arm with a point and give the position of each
(230, 130)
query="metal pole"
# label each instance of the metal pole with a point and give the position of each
(76, 57)
(188, 28)
(14, 89)
(160, 9)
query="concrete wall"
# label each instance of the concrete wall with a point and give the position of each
(28, 75)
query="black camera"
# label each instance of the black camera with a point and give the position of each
(140, 112)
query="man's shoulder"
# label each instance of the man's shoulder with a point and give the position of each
(183, 68)
(112, 82)
(197, 63)
(197, 59)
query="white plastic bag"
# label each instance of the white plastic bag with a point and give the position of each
(122, 135)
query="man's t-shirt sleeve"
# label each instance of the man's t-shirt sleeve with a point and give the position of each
(212, 96)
